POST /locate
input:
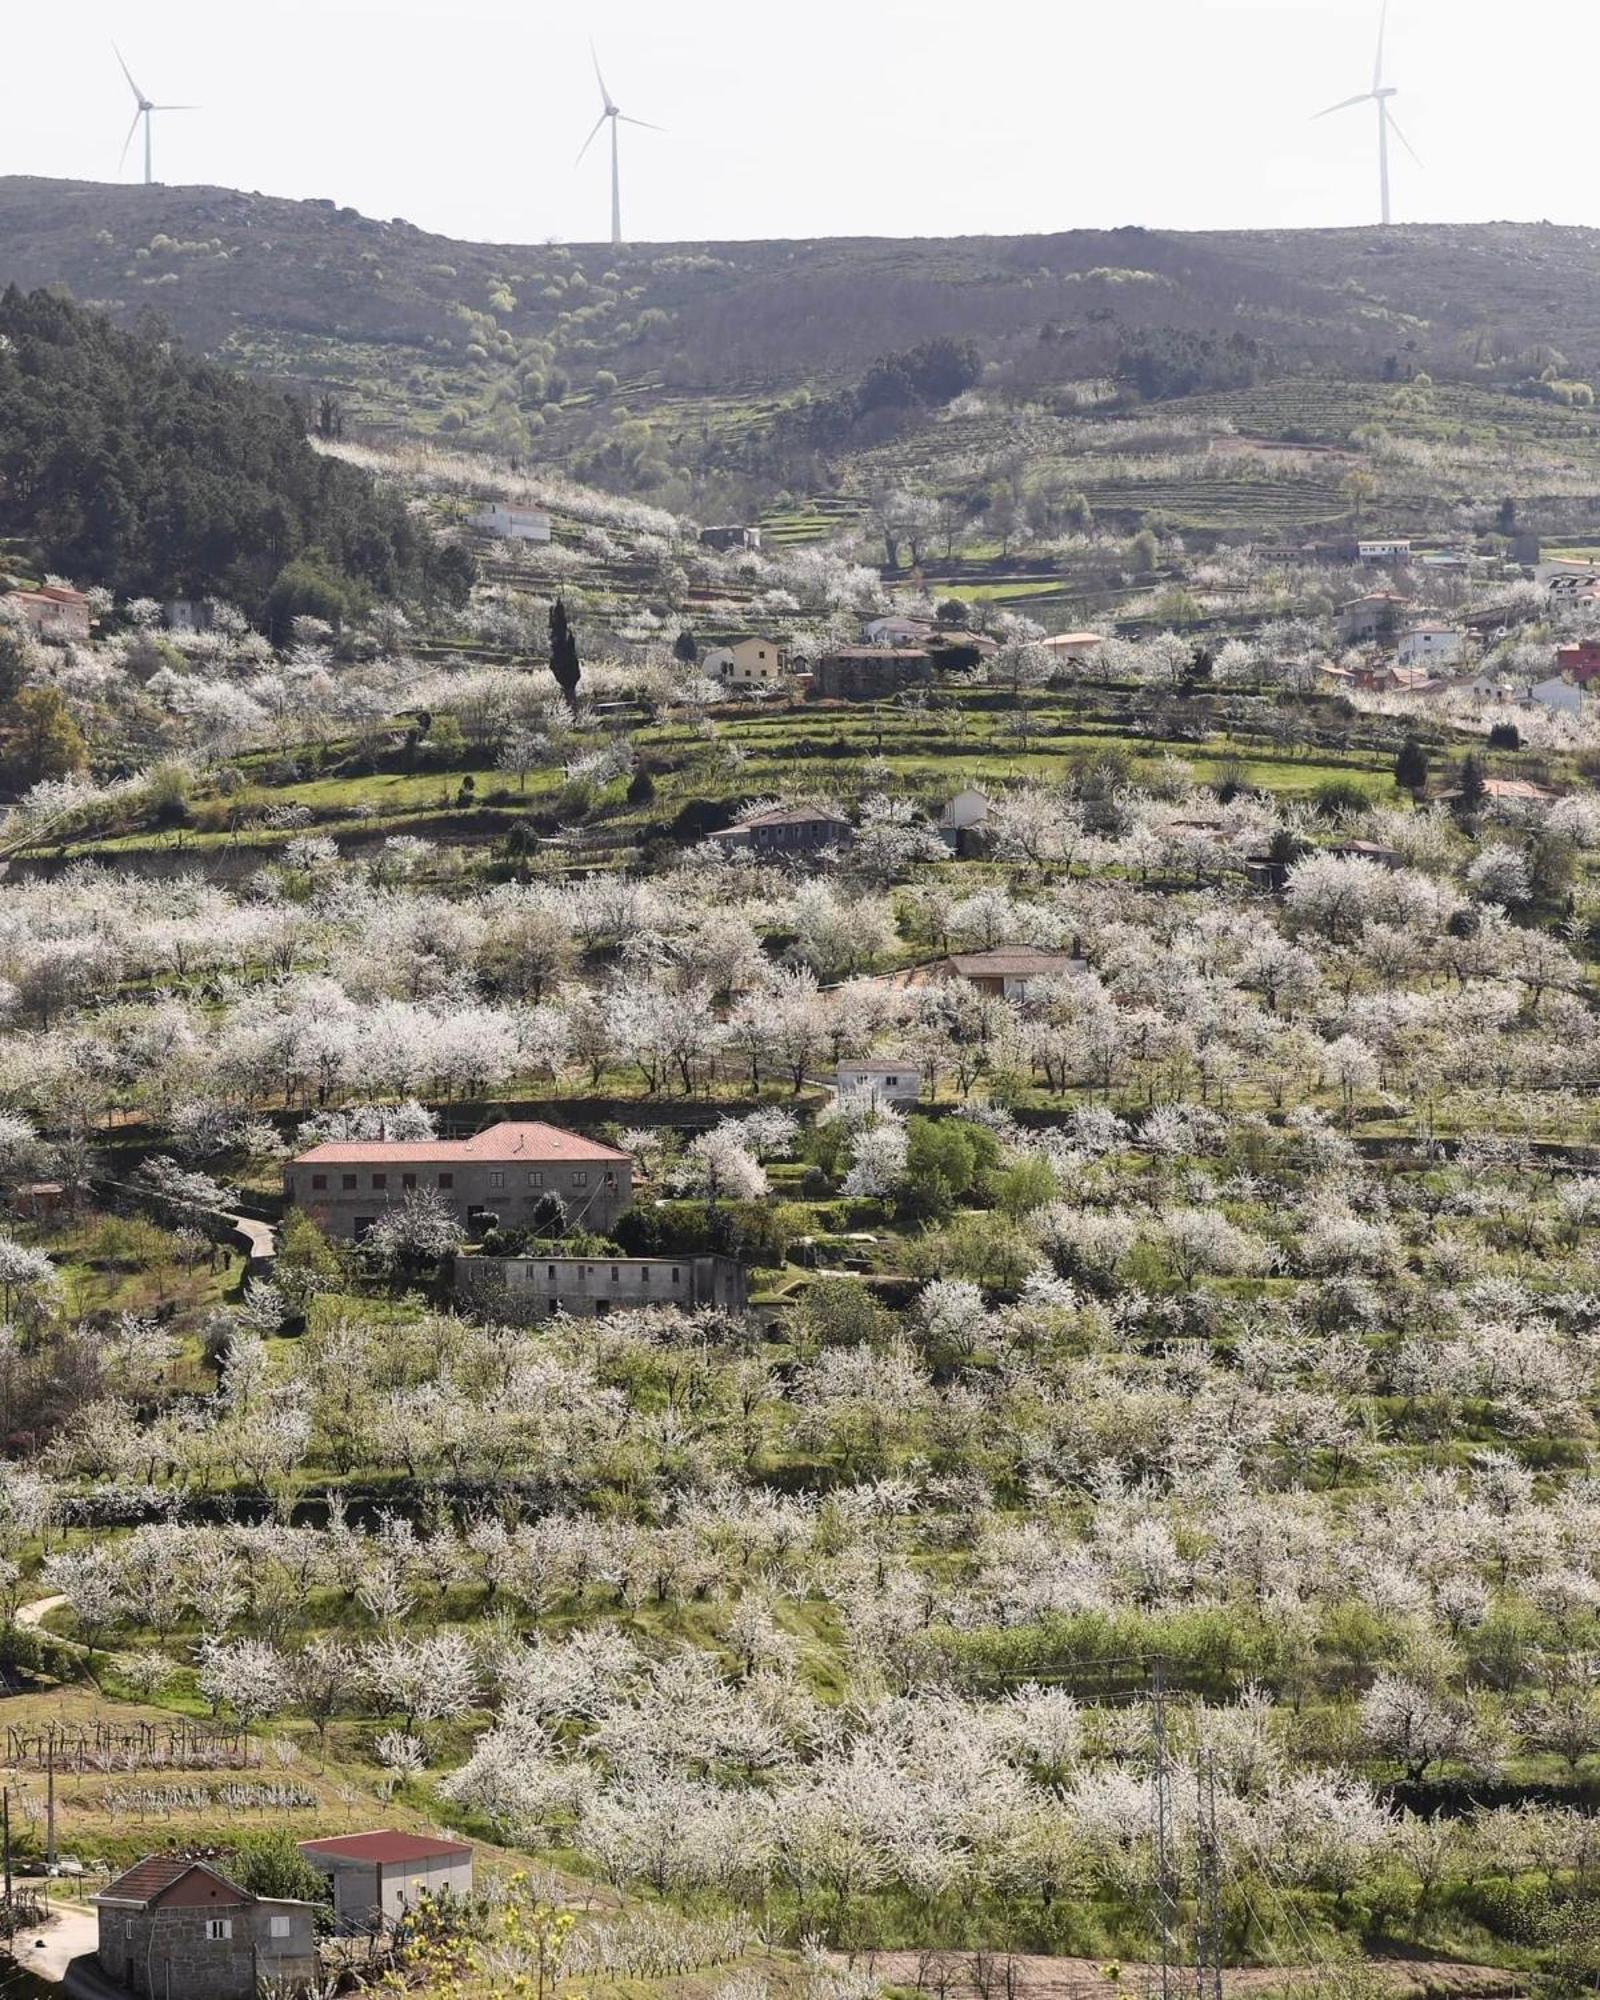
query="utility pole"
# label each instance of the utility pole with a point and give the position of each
(1208, 1882)
(1166, 1860)
(50, 1805)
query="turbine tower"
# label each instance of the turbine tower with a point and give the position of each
(1379, 95)
(617, 118)
(145, 111)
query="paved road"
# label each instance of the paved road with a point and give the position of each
(261, 1236)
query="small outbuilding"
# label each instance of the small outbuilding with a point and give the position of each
(378, 1877)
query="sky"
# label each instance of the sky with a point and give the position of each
(840, 117)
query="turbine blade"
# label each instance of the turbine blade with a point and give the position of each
(1344, 104)
(177, 107)
(591, 138)
(1394, 127)
(122, 157)
(594, 57)
(643, 123)
(1377, 67)
(128, 73)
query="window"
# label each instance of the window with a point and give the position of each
(348, 1183)
(550, 1271)
(447, 1180)
(218, 1928)
(613, 1274)
(611, 1178)
(497, 1180)
(580, 1178)
(408, 1180)
(319, 1181)
(536, 1179)
(644, 1274)
(380, 1180)
(280, 1927)
(674, 1274)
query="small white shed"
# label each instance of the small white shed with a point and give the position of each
(889, 1081)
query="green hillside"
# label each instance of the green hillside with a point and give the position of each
(696, 370)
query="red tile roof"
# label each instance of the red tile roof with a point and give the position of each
(508, 1141)
(148, 1880)
(385, 1847)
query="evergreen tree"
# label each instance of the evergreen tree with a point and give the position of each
(564, 653)
(1411, 766)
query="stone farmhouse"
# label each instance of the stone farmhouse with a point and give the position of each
(592, 1287)
(787, 830)
(867, 673)
(507, 1171)
(53, 611)
(172, 1926)
(377, 1877)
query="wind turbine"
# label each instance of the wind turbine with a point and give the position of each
(617, 118)
(1379, 94)
(145, 111)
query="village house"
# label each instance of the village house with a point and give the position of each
(172, 1928)
(867, 673)
(963, 824)
(731, 539)
(784, 830)
(377, 1877)
(53, 611)
(1431, 646)
(1508, 791)
(891, 1081)
(511, 524)
(593, 1287)
(1073, 645)
(1580, 661)
(1387, 549)
(1557, 694)
(896, 630)
(507, 1171)
(1009, 970)
(1376, 614)
(744, 663)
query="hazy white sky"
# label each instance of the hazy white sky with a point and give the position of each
(893, 117)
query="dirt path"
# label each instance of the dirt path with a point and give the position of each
(951, 1976)
(31, 1616)
(72, 1932)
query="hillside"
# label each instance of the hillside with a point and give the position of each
(672, 362)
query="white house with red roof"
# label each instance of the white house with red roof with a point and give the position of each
(508, 1171)
(378, 1877)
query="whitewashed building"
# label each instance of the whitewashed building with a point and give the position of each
(746, 663)
(1431, 646)
(892, 1081)
(511, 524)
